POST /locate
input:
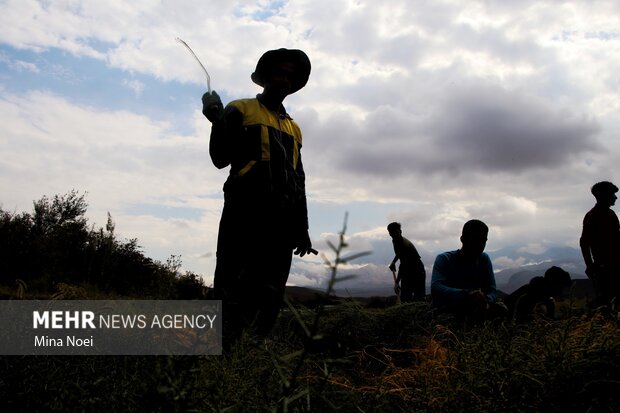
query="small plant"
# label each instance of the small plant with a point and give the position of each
(69, 292)
(292, 390)
(21, 289)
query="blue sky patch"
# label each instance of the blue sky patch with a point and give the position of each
(92, 82)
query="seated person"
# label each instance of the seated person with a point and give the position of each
(463, 282)
(537, 298)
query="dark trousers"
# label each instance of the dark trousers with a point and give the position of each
(412, 285)
(254, 254)
(607, 286)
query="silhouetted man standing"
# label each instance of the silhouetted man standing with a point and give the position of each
(463, 281)
(265, 216)
(600, 243)
(411, 273)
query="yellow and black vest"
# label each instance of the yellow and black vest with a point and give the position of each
(266, 155)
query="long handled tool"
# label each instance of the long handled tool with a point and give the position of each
(178, 39)
(396, 288)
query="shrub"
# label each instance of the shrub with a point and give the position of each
(54, 245)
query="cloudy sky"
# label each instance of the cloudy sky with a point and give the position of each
(429, 113)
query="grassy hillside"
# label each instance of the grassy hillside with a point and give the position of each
(328, 355)
(402, 358)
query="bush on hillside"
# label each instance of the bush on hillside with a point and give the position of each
(54, 244)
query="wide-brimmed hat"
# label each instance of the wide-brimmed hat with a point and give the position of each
(298, 58)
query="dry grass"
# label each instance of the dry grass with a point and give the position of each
(395, 359)
(344, 358)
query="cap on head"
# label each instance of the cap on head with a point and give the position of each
(294, 56)
(603, 188)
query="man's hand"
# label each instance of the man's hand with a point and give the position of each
(477, 298)
(301, 251)
(304, 246)
(212, 106)
(392, 267)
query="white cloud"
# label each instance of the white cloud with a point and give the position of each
(135, 85)
(533, 248)
(121, 160)
(503, 111)
(505, 262)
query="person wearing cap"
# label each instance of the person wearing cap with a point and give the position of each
(265, 216)
(600, 244)
(463, 282)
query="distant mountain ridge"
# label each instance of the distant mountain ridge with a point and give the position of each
(507, 279)
(510, 279)
(311, 297)
(558, 253)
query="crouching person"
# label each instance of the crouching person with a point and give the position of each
(463, 282)
(537, 298)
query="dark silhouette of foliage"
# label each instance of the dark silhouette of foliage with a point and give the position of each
(190, 286)
(54, 245)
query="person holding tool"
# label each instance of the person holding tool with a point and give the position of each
(265, 215)
(411, 273)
